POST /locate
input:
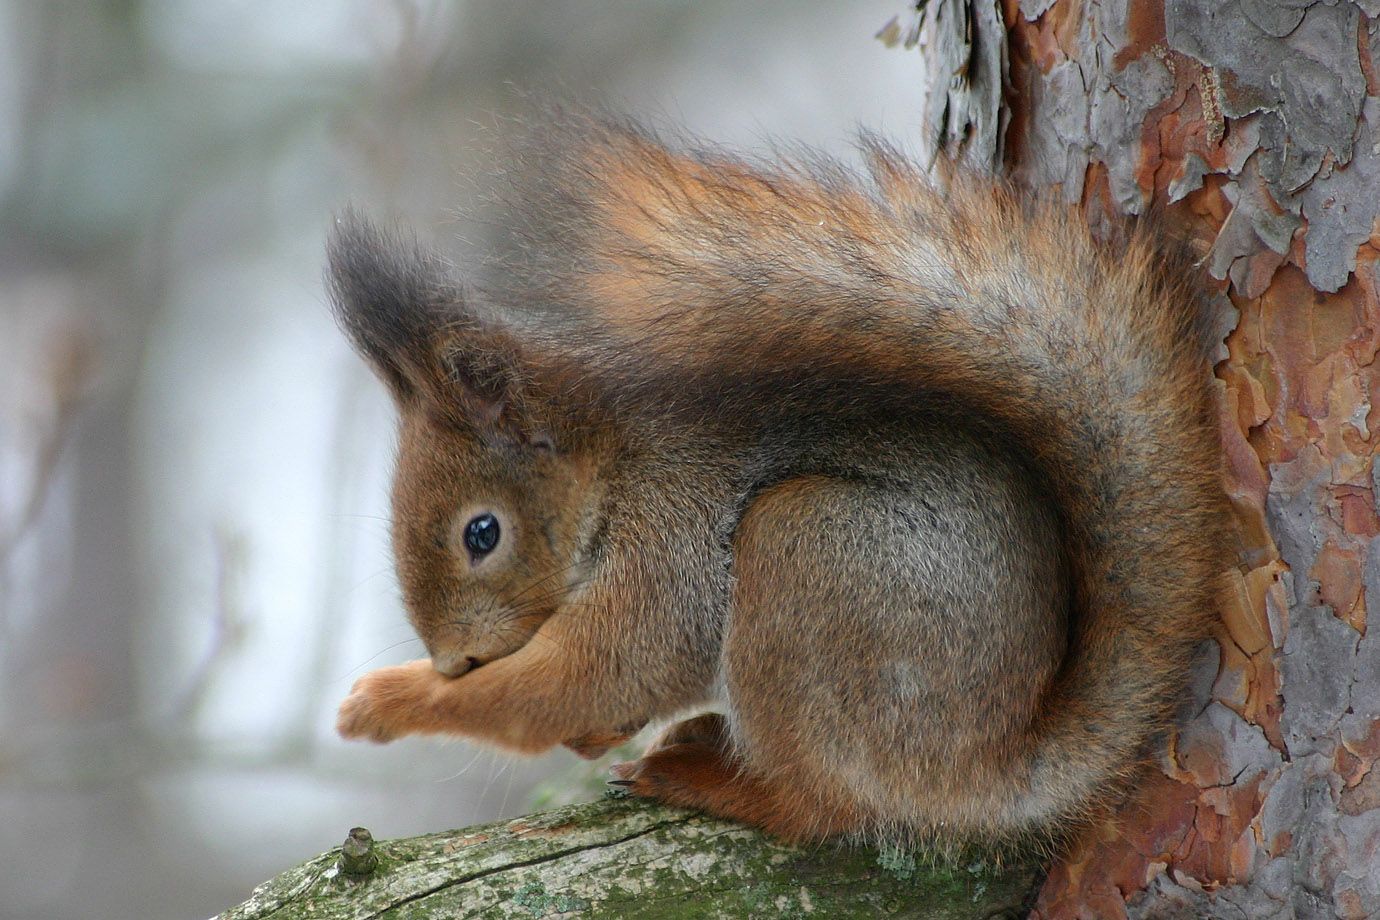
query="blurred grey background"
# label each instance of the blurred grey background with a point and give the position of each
(193, 466)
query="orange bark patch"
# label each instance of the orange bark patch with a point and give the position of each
(1144, 33)
(1338, 573)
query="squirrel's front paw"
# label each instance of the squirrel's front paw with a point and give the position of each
(389, 703)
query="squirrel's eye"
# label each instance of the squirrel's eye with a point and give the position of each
(481, 534)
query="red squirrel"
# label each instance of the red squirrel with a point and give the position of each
(917, 481)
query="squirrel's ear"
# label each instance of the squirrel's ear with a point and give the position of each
(384, 290)
(414, 324)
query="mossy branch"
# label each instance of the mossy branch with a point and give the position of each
(626, 858)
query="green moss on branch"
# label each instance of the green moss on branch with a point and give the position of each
(625, 858)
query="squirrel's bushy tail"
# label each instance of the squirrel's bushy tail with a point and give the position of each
(1090, 358)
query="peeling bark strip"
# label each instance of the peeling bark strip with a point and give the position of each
(965, 54)
(622, 858)
(1256, 125)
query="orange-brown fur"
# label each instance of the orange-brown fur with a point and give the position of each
(919, 484)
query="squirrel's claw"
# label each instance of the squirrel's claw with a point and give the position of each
(636, 778)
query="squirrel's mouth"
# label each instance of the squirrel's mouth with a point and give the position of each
(461, 647)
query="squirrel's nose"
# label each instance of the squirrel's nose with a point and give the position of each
(454, 664)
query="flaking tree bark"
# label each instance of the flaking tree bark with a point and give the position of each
(1255, 129)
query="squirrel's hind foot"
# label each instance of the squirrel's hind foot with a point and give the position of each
(691, 765)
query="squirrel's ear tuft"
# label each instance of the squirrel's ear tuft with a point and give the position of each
(389, 296)
(420, 332)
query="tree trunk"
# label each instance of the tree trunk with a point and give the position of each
(623, 858)
(1255, 128)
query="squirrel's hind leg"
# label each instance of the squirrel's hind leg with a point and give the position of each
(884, 651)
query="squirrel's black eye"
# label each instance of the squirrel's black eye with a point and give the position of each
(481, 534)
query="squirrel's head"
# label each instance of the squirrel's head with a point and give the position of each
(495, 509)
